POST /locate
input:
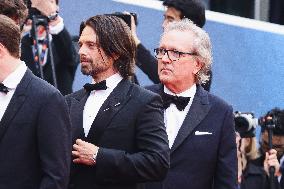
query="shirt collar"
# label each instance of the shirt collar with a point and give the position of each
(112, 81)
(187, 93)
(16, 76)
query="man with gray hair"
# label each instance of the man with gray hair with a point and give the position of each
(175, 10)
(199, 125)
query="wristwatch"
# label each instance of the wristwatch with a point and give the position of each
(52, 17)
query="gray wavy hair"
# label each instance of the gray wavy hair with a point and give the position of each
(201, 46)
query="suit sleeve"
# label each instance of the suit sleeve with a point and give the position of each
(150, 162)
(147, 63)
(65, 48)
(27, 53)
(226, 170)
(54, 143)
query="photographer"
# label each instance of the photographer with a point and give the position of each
(247, 150)
(256, 172)
(64, 54)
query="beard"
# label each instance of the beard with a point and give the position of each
(91, 68)
(85, 69)
(86, 65)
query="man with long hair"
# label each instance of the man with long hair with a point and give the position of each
(119, 136)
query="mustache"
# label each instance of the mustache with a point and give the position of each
(165, 68)
(85, 59)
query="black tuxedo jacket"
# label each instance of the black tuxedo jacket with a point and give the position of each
(130, 132)
(64, 56)
(35, 138)
(203, 161)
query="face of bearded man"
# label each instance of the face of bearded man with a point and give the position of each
(93, 59)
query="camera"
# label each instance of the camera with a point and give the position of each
(35, 15)
(245, 123)
(125, 17)
(274, 119)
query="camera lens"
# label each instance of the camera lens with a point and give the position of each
(245, 124)
(241, 124)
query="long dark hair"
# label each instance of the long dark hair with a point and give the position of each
(115, 39)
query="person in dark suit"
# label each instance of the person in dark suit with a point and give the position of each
(118, 130)
(199, 125)
(35, 130)
(254, 169)
(175, 10)
(64, 53)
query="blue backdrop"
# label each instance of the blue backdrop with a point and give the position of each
(248, 66)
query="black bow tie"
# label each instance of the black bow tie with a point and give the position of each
(3, 88)
(97, 86)
(180, 101)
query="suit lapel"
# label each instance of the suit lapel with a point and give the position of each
(198, 110)
(16, 102)
(116, 100)
(76, 111)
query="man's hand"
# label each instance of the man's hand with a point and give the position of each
(271, 161)
(133, 28)
(133, 31)
(46, 7)
(84, 152)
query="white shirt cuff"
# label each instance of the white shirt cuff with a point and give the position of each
(54, 30)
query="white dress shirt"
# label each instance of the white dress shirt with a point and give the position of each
(11, 82)
(173, 117)
(96, 100)
(56, 29)
(281, 163)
